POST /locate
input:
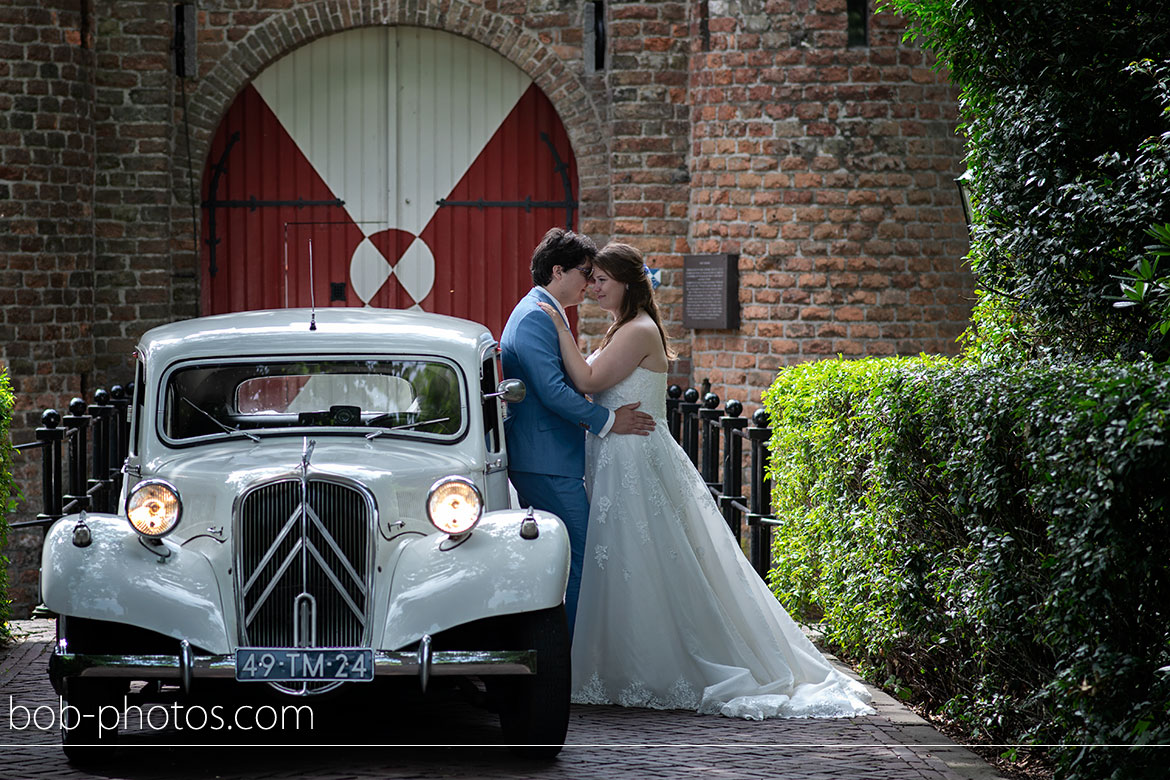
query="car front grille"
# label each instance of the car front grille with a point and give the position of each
(303, 557)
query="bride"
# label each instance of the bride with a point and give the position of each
(671, 615)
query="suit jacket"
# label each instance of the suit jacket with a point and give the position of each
(546, 431)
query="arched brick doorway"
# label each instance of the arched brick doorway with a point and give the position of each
(421, 167)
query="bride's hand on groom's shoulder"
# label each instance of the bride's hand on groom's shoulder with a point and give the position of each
(554, 315)
(627, 419)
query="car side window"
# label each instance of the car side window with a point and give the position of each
(139, 406)
(492, 412)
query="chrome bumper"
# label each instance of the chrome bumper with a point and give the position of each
(187, 667)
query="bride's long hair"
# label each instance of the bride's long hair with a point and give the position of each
(624, 264)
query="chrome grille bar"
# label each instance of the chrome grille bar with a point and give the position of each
(327, 526)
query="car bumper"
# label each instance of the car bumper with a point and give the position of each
(186, 667)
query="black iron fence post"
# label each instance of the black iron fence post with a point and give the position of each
(708, 420)
(99, 479)
(119, 434)
(760, 518)
(77, 423)
(50, 437)
(688, 409)
(673, 417)
(731, 500)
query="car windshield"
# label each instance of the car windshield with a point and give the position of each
(418, 397)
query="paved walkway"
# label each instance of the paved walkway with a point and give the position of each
(604, 742)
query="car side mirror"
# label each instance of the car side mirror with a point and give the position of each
(510, 391)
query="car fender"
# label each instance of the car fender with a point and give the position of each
(120, 577)
(441, 582)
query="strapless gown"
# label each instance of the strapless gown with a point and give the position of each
(671, 614)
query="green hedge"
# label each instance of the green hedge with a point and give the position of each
(7, 497)
(990, 541)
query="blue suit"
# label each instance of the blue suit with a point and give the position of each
(546, 431)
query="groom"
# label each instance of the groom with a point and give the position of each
(546, 431)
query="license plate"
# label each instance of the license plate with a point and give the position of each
(307, 664)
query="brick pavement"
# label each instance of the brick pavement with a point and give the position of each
(384, 738)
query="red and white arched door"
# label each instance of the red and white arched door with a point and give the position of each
(410, 167)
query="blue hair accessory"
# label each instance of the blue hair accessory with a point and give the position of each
(655, 275)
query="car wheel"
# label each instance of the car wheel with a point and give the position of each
(534, 710)
(85, 740)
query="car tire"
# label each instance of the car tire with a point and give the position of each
(534, 710)
(83, 739)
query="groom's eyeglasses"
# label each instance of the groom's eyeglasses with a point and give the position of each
(586, 271)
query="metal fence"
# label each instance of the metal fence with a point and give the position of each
(83, 453)
(705, 432)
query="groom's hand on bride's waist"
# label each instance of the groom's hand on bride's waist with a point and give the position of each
(627, 419)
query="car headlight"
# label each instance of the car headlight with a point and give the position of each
(454, 505)
(154, 508)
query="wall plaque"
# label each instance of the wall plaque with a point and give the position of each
(711, 291)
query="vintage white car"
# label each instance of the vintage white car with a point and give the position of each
(314, 501)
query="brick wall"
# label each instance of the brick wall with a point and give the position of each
(135, 142)
(46, 234)
(644, 93)
(829, 170)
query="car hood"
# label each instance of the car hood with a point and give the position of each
(210, 477)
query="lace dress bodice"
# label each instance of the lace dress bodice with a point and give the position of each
(643, 385)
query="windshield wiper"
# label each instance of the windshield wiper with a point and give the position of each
(223, 426)
(406, 426)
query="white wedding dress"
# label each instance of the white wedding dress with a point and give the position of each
(671, 614)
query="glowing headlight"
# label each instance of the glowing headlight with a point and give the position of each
(454, 505)
(153, 508)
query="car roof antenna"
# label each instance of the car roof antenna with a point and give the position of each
(312, 298)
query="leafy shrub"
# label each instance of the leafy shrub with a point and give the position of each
(1148, 284)
(989, 540)
(7, 496)
(1063, 104)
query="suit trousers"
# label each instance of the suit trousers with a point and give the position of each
(565, 497)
